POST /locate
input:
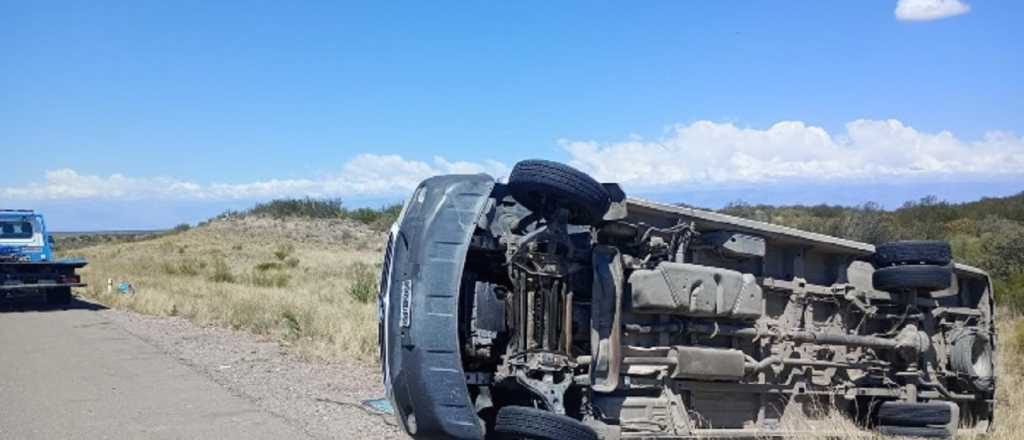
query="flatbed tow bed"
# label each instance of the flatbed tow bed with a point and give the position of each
(27, 263)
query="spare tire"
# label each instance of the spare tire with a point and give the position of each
(972, 356)
(540, 184)
(913, 252)
(926, 277)
(537, 424)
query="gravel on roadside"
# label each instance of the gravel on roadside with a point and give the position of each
(324, 400)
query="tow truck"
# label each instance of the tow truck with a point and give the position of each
(28, 266)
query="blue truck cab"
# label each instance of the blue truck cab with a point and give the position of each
(27, 262)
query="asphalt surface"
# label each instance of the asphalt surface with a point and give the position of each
(77, 374)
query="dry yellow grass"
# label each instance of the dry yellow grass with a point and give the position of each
(288, 280)
(229, 273)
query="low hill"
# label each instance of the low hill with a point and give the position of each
(308, 283)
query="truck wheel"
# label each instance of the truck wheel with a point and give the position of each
(913, 252)
(915, 431)
(536, 424)
(539, 183)
(927, 277)
(972, 356)
(58, 296)
(915, 414)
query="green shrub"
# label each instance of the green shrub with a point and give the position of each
(184, 267)
(181, 228)
(263, 267)
(306, 208)
(1010, 291)
(377, 218)
(221, 272)
(291, 262)
(269, 279)
(363, 279)
(292, 324)
(284, 251)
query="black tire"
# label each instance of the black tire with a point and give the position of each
(971, 356)
(915, 431)
(933, 252)
(915, 414)
(58, 296)
(538, 183)
(536, 424)
(926, 277)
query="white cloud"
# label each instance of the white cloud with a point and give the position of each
(925, 10)
(709, 153)
(702, 154)
(364, 175)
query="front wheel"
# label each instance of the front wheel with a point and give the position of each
(540, 184)
(520, 422)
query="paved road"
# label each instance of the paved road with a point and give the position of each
(73, 374)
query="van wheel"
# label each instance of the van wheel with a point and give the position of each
(913, 252)
(916, 414)
(520, 422)
(927, 277)
(915, 431)
(540, 184)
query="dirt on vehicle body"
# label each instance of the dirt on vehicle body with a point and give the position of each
(552, 307)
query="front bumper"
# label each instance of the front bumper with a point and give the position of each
(419, 307)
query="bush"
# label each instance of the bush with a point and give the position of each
(291, 262)
(263, 267)
(284, 251)
(181, 228)
(185, 267)
(377, 218)
(260, 278)
(307, 208)
(221, 272)
(1010, 292)
(363, 279)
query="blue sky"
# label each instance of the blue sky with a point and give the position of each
(189, 107)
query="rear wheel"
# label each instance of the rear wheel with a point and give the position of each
(520, 422)
(936, 419)
(926, 277)
(915, 414)
(915, 431)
